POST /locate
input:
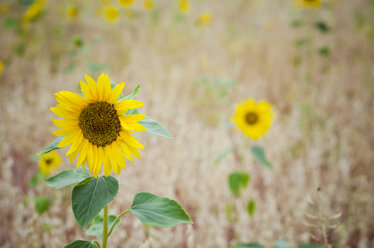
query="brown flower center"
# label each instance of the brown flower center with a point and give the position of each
(100, 123)
(251, 118)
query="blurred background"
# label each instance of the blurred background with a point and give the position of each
(195, 60)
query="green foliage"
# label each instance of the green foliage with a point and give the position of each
(96, 67)
(96, 228)
(80, 244)
(42, 204)
(36, 179)
(322, 27)
(52, 146)
(229, 212)
(260, 156)
(324, 52)
(237, 181)
(278, 244)
(302, 42)
(66, 178)
(132, 95)
(222, 155)
(310, 246)
(251, 207)
(9, 23)
(158, 211)
(154, 127)
(282, 244)
(91, 196)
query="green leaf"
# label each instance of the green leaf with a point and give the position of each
(42, 204)
(260, 156)
(52, 146)
(158, 211)
(89, 198)
(237, 180)
(324, 51)
(323, 27)
(249, 245)
(132, 95)
(282, 244)
(96, 229)
(222, 155)
(251, 207)
(9, 23)
(310, 246)
(80, 244)
(37, 178)
(96, 67)
(229, 212)
(154, 127)
(66, 178)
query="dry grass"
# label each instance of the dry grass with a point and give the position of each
(323, 134)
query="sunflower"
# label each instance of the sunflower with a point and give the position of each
(96, 126)
(33, 11)
(184, 6)
(126, 3)
(204, 19)
(148, 4)
(307, 3)
(48, 162)
(253, 119)
(1, 67)
(72, 12)
(111, 13)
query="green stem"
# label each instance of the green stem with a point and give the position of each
(116, 220)
(105, 227)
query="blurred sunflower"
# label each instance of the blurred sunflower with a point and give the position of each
(96, 127)
(48, 162)
(33, 11)
(253, 119)
(204, 19)
(184, 6)
(307, 3)
(4, 8)
(72, 12)
(148, 4)
(126, 3)
(111, 13)
(1, 67)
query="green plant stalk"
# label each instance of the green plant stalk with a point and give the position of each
(116, 220)
(105, 227)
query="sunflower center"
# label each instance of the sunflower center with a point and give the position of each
(251, 118)
(100, 123)
(48, 161)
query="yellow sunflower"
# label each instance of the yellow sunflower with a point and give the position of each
(96, 126)
(184, 6)
(253, 119)
(72, 12)
(148, 4)
(126, 3)
(111, 13)
(1, 67)
(307, 3)
(204, 19)
(33, 11)
(48, 162)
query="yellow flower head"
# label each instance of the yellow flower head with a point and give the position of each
(148, 4)
(4, 8)
(49, 162)
(253, 119)
(72, 12)
(307, 3)
(184, 6)
(126, 3)
(111, 13)
(204, 19)
(1, 67)
(96, 127)
(33, 11)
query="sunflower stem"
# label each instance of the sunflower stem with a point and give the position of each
(116, 220)
(105, 227)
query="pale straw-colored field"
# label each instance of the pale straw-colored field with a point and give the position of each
(322, 135)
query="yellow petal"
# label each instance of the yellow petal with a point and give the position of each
(92, 86)
(75, 145)
(114, 94)
(68, 139)
(86, 91)
(65, 123)
(119, 157)
(125, 150)
(102, 87)
(123, 106)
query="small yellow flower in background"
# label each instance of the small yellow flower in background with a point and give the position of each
(111, 13)
(204, 19)
(253, 119)
(307, 3)
(1, 67)
(72, 12)
(4, 8)
(184, 6)
(33, 11)
(95, 126)
(126, 3)
(148, 4)
(49, 162)
(105, 1)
